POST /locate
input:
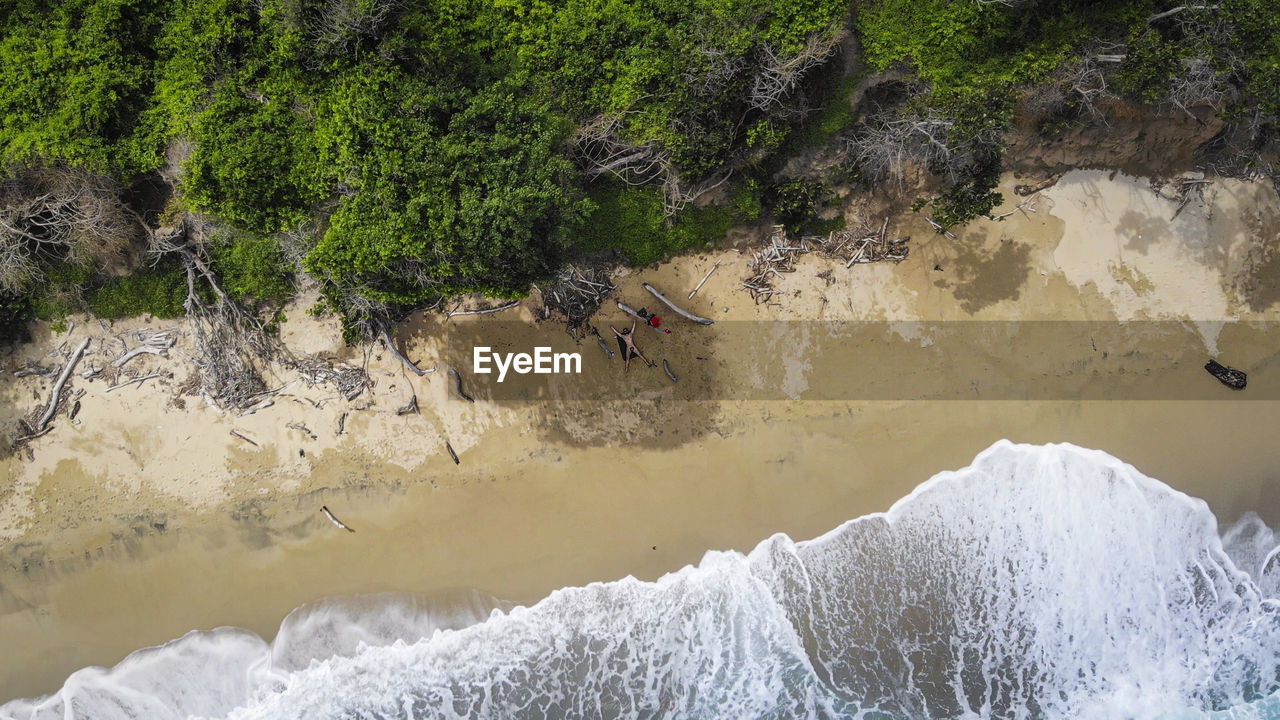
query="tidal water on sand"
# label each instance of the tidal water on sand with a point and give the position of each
(1040, 582)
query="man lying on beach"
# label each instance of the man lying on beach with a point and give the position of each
(627, 344)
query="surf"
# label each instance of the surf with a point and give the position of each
(1039, 582)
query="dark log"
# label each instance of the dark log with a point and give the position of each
(457, 385)
(1229, 376)
(244, 438)
(670, 374)
(334, 520)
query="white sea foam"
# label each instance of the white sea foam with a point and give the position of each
(1040, 582)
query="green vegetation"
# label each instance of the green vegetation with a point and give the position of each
(253, 268)
(158, 291)
(406, 152)
(439, 148)
(630, 220)
(974, 62)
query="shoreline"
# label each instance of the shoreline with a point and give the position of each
(541, 501)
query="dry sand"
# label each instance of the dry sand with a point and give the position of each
(147, 518)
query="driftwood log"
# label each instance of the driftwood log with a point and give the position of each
(705, 278)
(411, 408)
(302, 428)
(608, 352)
(696, 318)
(391, 348)
(57, 386)
(457, 385)
(334, 520)
(137, 380)
(260, 406)
(485, 311)
(140, 350)
(1025, 190)
(670, 374)
(636, 314)
(244, 437)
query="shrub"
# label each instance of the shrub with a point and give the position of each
(253, 268)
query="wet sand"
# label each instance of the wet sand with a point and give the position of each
(148, 520)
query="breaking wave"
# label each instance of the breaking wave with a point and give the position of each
(1040, 582)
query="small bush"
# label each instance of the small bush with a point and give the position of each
(253, 268)
(630, 221)
(796, 205)
(159, 291)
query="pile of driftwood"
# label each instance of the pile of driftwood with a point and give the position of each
(863, 245)
(576, 294)
(59, 396)
(778, 257)
(152, 342)
(1183, 190)
(349, 380)
(852, 246)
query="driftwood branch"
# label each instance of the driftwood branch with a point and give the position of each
(603, 345)
(334, 520)
(1181, 8)
(243, 437)
(260, 406)
(941, 230)
(704, 280)
(1025, 190)
(140, 350)
(576, 294)
(34, 435)
(391, 347)
(485, 311)
(457, 385)
(696, 318)
(411, 408)
(452, 454)
(302, 428)
(667, 367)
(137, 380)
(57, 386)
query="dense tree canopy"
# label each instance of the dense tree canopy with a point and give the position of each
(407, 151)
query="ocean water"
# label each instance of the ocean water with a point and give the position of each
(1040, 582)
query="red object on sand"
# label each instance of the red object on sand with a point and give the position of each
(655, 321)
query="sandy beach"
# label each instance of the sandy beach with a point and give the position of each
(145, 517)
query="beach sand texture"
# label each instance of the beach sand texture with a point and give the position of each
(147, 518)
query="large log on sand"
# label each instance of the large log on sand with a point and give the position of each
(636, 314)
(677, 308)
(57, 387)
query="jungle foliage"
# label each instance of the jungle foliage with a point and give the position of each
(432, 148)
(402, 152)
